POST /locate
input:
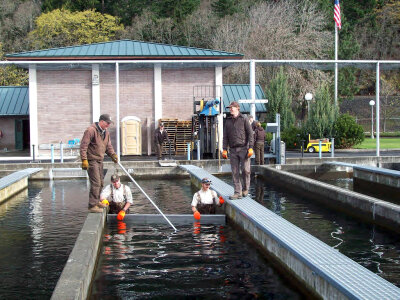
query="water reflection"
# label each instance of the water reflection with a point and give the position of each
(197, 262)
(373, 247)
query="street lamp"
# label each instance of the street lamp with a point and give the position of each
(308, 97)
(372, 103)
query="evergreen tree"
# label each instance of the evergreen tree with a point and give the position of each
(223, 8)
(323, 114)
(280, 100)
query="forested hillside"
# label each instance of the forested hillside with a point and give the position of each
(260, 29)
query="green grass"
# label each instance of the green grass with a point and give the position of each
(385, 143)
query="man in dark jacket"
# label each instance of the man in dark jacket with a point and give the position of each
(160, 134)
(239, 136)
(94, 144)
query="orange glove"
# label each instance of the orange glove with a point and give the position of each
(225, 154)
(250, 152)
(121, 215)
(85, 164)
(221, 200)
(197, 215)
(114, 158)
(121, 227)
(105, 202)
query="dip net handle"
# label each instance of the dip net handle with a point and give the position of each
(144, 193)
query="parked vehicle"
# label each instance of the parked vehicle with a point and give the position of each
(313, 145)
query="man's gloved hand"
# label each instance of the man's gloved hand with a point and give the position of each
(114, 158)
(221, 200)
(85, 164)
(225, 154)
(197, 215)
(250, 152)
(105, 202)
(121, 215)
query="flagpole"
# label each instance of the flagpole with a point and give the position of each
(336, 65)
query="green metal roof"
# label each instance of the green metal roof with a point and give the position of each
(235, 92)
(14, 101)
(123, 49)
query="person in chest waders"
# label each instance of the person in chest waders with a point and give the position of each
(205, 200)
(119, 197)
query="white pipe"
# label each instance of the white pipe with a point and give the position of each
(336, 65)
(133, 180)
(253, 88)
(377, 84)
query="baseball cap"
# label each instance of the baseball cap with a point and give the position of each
(114, 178)
(205, 180)
(106, 118)
(234, 104)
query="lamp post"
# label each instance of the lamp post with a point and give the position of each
(308, 97)
(372, 103)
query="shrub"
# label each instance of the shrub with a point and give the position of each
(347, 132)
(291, 136)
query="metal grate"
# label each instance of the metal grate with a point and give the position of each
(352, 279)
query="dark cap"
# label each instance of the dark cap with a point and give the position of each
(234, 104)
(205, 180)
(106, 118)
(114, 178)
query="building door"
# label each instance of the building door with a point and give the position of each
(131, 136)
(19, 137)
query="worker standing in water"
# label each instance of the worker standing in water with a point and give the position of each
(205, 200)
(118, 196)
(94, 144)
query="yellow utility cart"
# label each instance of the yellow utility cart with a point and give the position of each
(313, 145)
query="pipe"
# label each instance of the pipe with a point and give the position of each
(144, 193)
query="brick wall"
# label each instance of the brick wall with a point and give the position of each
(64, 105)
(177, 90)
(7, 125)
(64, 99)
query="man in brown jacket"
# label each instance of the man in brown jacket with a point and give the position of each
(95, 142)
(239, 136)
(160, 134)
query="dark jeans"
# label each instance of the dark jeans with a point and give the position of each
(159, 149)
(96, 178)
(240, 163)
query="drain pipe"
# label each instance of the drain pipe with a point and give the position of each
(198, 149)
(333, 147)
(52, 153)
(188, 151)
(33, 152)
(61, 152)
(133, 180)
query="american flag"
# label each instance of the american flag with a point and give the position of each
(336, 14)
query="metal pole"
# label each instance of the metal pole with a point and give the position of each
(253, 88)
(117, 107)
(336, 65)
(52, 153)
(198, 149)
(61, 152)
(133, 180)
(377, 110)
(372, 121)
(320, 149)
(333, 147)
(33, 152)
(188, 151)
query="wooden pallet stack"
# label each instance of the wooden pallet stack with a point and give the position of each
(170, 126)
(183, 136)
(179, 134)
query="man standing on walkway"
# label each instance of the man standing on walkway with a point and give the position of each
(239, 136)
(95, 142)
(160, 134)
